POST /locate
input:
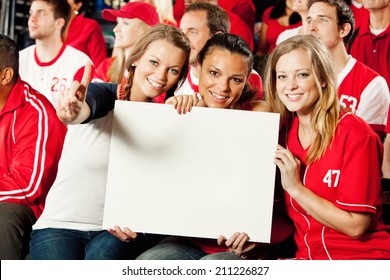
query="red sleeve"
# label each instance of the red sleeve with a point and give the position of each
(79, 74)
(256, 84)
(363, 157)
(102, 70)
(96, 44)
(178, 9)
(266, 15)
(245, 9)
(239, 27)
(34, 156)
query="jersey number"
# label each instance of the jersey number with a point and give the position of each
(58, 85)
(349, 102)
(332, 178)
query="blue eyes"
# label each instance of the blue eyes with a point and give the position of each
(171, 70)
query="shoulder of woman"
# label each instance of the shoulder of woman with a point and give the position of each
(260, 106)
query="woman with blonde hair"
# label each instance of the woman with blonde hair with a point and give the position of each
(164, 9)
(133, 20)
(71, 224)
(330, 168)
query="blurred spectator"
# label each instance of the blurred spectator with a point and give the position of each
(164, 10)
(133, 20)
(299, 6)
(85, 34)
(238, 26)
(50, 65)
(275, 20)
(361, 14)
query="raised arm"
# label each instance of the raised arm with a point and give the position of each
(84, 102)
(71, 107)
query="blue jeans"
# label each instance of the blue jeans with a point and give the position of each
(181, 248)
(67, 244)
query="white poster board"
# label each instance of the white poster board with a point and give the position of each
(203, 174)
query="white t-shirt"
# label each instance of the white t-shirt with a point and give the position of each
(76, 199)
(50, 78)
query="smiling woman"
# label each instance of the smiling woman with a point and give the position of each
(71, 224)
(336, 206)
(225, 63)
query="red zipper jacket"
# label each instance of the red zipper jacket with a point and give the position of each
(31, 140)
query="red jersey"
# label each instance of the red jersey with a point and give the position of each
(348, 175)
(365, 93)
(360, 13)
(31, 140)
(86, 35)
(374, 51)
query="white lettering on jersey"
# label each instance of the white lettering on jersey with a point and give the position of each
(349, 102)
(332, 178)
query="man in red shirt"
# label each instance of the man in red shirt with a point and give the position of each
(31, 140)
(240, 26)
(371, 46)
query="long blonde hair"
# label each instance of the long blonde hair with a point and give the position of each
(171, 34)
(116, 71)
(326, 111)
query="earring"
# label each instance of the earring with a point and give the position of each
(133, 65)
(76, 12)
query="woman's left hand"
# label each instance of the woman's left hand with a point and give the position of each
(125, 235)
(237, 243)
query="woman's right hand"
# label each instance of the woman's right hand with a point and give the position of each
(183, 103)
(237, 243)
(71, 107)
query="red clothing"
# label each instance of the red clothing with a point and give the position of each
(348, 175)
(86, 35)
(365, 93)
(245, 9)
(240, 28)
(374, 51)
(361, 14)
(31, 140)
(102, 70)
(274, 28)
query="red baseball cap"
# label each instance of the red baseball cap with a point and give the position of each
(140, 10)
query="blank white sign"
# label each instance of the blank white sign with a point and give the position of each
(203, 174)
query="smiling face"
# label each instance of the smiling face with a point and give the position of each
(222, 78)
(128, 31)
(295, 82)
(157, 70)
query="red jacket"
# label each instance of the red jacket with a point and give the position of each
(31, 140)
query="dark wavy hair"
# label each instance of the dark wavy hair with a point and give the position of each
(234, 44)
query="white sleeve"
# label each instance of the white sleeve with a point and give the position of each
(374, 102)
